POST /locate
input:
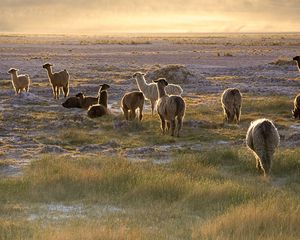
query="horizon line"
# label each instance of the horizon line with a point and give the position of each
(139, 33)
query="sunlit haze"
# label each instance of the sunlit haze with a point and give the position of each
(126, 16)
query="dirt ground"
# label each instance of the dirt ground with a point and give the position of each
(256, 64)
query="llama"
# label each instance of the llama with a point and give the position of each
(231, 100)
(58, 80)
(296, 110)
(72, 102)
(150, 90)
(130, 102)
(86, 102)
(19, 82)
(262, 139)
(297, 59)
(100, 109)
(169, 108)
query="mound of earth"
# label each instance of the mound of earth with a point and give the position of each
(173, 73)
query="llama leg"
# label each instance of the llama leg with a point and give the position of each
(140, 113)
(27, 89)
(163, 124)
(133, 115)
(258, 166)
(66, 90)
(129, 115)
(226, 115)
(152, 106)
(54, 91)
(179, 125)
(230, 117)
(261, 167)
(168, 126)
(267, 165)
(172, 124)
(57, 92)
(238, 115)
(125, 111)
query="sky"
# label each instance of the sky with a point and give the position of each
(148, 16)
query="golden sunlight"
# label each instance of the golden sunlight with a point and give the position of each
(96, 17)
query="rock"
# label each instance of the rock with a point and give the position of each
(99, 147)
(52, 149)
(140, 150)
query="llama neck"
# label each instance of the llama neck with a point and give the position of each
(161, 91)
(141, 82)
(80, 100)
(103, 98)
(14, 76)
(298, 64)
(50, 73)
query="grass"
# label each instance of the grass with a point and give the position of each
(276, 217)
(210, 192)
(220, 187)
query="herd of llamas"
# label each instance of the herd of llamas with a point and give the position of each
(262, 137)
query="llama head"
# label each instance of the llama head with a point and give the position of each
(138, 74)
(71, 103)
(161, 82)
(12, 70)
(297, 58)
(103, 87)
(47, 65)
(80, 95)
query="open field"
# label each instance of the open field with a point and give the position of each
(65, 176)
